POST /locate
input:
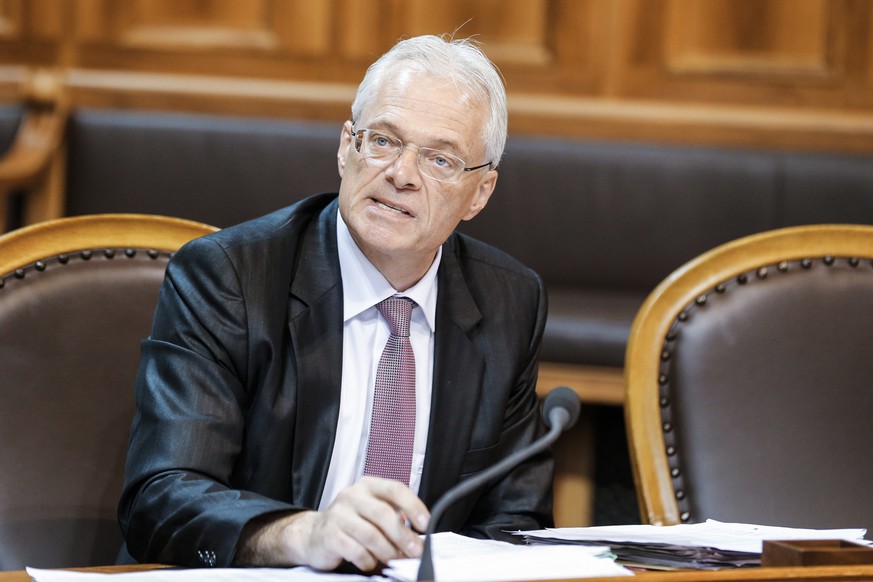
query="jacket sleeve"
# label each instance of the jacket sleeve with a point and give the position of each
(177, 504)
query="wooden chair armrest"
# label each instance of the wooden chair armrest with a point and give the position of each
(39, 136)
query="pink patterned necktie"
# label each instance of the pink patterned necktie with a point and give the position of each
(392, 427)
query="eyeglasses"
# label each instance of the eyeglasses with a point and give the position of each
(383, 149)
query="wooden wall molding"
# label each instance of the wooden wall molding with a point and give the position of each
(794, 74)
(698, 124)
(530, 113)
(713, 37)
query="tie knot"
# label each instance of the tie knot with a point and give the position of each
(398, 312)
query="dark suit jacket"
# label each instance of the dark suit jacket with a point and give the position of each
(239, 384)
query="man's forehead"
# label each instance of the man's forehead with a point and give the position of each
(434, 91)
(413, 102)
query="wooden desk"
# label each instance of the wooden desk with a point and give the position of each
(810, 574)
(21, 575)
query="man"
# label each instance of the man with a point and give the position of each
(257, 393)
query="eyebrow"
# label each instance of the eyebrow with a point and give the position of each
(390, 127)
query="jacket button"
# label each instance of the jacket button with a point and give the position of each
(207, 558)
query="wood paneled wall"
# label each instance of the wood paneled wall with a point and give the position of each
(771, 73)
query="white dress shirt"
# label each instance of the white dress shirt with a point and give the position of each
(365, 333)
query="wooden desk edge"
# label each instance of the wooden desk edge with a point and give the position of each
(21, 575)
(801, 574)
(792, 574)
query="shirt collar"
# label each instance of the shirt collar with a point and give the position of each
(364, 286)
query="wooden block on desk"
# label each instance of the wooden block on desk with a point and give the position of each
(814, 553)
(598, 385)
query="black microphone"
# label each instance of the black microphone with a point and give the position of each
(560, 411)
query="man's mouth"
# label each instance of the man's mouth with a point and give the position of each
(394, 208)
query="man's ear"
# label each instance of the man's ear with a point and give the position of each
(483, 194)
(343, 151)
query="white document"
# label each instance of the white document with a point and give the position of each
(736, 537)
(199, 575)
(459, 558)
(455, 558)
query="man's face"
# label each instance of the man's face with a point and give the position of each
(393, 212)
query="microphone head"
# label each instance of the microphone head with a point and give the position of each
(562, 403)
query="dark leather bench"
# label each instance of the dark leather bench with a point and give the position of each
(603, 223)
(9, 120)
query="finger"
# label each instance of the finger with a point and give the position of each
(369, 522)
(334, 537)
(380, 503)
(401, 498)
(357, 553)
(370, 534)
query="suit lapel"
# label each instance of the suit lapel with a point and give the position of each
(315, 328)
(457, 384)
(316, 331)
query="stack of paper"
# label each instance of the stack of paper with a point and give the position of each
(299, 574)
(457, 558)
(709, 545)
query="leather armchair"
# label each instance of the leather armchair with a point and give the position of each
(76, 298)
(748, 377)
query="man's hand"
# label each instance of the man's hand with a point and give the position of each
(366, 525)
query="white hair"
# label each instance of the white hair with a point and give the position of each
(460, 60)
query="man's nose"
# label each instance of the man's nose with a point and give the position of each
(404, 169)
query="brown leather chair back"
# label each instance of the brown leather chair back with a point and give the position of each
(750, 383)
(76, 298)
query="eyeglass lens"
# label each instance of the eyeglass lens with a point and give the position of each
(385, 148)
